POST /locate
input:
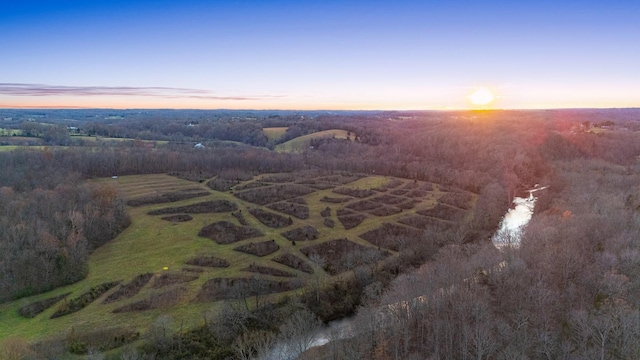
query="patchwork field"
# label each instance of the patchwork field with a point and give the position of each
(190, 246)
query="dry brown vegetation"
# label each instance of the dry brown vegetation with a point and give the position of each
(78, 303)
(266, 270)
(293, 262)
(177, 218)
(299, 211)
(304, 233)
(263, 248)
(224, 232)
(240, 288)
(167, 279)
(168, 197)
(393, 237)
(157, 300)
(271, 194)
(35, 308)
(270, 219)
(341, 255)
(208, 261)
(213, 206)
(130, 289)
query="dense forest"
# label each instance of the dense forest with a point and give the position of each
(569, 291)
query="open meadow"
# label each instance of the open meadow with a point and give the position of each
(301, 143)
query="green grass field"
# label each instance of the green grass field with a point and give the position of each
(34, 147)
(301, 143)
(108, 139)
(157, 246)
(10, 132)
(274, 133)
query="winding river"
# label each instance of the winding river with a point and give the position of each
(513, 222)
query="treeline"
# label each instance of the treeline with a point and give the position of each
(28, 169)
(244, 131)
(47, 235)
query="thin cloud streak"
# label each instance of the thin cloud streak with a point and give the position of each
(39, 90)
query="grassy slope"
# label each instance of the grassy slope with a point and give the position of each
(108, 139)
(274, 133)
(300, 143)
(10, 132)
(150, 244)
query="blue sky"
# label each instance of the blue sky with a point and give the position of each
(319, 54)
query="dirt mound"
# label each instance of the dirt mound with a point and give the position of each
(35, 308)
(213, 206)
(341, 255)
(83, 300)
(208, 261)
(364, 205)
(425, 222)
(359, 193)
(460, 200)
(177, 218)
(385, 211)
(238, 215)
(265, 270)
(445, 212)
(271, 194)
(168, 197)
(196, 176)
(224, 232)
(263, 248)
(394, 183)
(389, 199)
(296, 210)
(304, 233)
(392, 236)
(233, 288)
(350, 219)
(159, 300)
(167, 279)
(219, 184)
(409, 204)
(328, 222)
(270, 219)
(130, 289)
(336, 200)
(294, 262)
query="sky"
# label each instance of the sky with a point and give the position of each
(358, 55)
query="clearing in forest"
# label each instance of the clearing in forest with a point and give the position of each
(301, 143)
(274, 133)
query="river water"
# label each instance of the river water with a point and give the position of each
(514, 221)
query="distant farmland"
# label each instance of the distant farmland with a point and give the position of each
(300, 143)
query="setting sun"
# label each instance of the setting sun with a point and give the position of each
(481, 96)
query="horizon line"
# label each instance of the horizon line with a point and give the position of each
(73, 107)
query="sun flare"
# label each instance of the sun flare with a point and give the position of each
(481, 96)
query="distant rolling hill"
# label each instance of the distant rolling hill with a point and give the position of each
(300, 143)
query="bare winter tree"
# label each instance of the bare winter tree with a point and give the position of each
(299, 331)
